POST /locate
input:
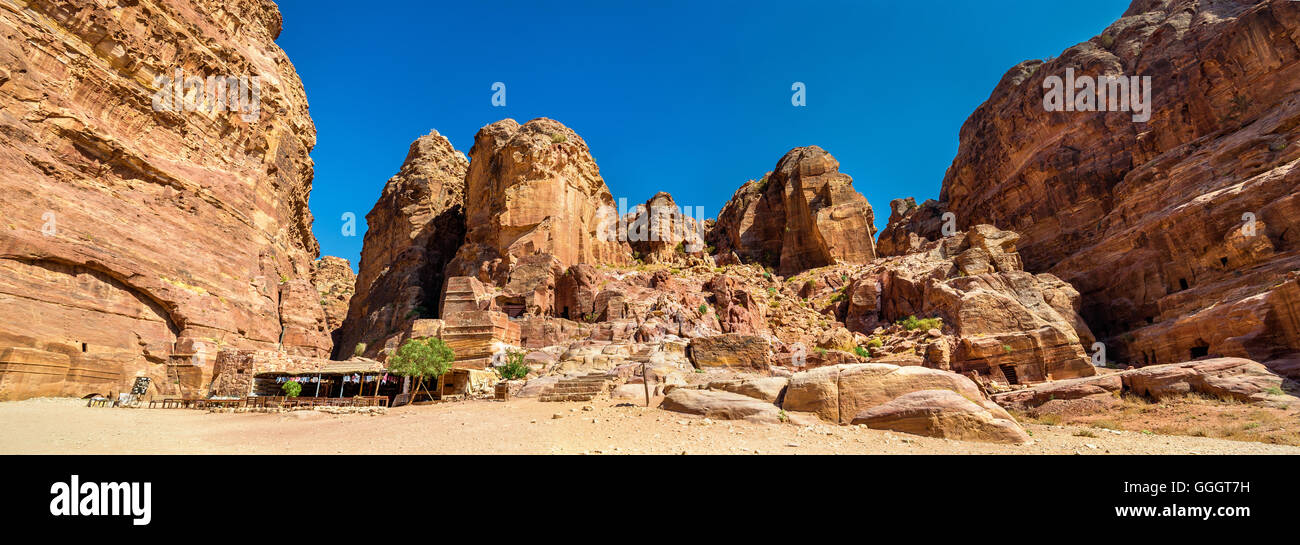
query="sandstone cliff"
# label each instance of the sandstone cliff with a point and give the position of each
(804, 214)
(534, 189)
(413, 232)
(335, 282)
(1179, 232)
(138, 241)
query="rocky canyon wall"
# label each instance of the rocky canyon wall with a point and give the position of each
(413, 232)
(1182, 232)
(138, 240)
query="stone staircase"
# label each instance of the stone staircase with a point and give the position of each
(583, 388)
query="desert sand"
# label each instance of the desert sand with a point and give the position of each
(519, 426)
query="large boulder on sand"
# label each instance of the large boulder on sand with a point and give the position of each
(839, 392)
(1062, 390)
(769, 389)
(946, 414)
(720, 405)
(1235, 378)
(730, 350)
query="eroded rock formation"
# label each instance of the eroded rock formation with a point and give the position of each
(335, 281)
(116, 249)
(534, 189)
(413, 231)
(1179, 232)
(1007, 325)
(660, 232)
(803, 215)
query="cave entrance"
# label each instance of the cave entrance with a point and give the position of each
(1201, 350)
(1010, 372)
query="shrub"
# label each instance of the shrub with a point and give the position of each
(558, 138)
(291, 388)
(514, 367)
(911, 323)
(704, 309)
(359, 349)
(875, 343)
(862, 352)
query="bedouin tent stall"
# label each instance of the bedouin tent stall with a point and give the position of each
(334, 379)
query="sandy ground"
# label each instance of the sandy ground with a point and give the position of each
(521, 426)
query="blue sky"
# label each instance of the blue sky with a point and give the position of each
(692, 98)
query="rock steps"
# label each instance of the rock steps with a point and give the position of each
(583, 388)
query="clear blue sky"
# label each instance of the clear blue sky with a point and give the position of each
(692, 98)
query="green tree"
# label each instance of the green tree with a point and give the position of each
(291, 388)
(421, 358)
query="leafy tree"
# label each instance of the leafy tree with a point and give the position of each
(514, 367)
(421, 358)
(291, 388)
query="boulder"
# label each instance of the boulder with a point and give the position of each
(720, 405)
(945, 414)
(730, 350)
(769, 389)
(1065, 390)
(839, 392)
(538, 386)
(1234, 378)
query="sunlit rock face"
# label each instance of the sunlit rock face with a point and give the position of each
(141, 235)
(412, 232)
(534, 189)
(803, 215)
(1180, 232)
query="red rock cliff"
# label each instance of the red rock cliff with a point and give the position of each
(1151, 221)
(139, 241)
